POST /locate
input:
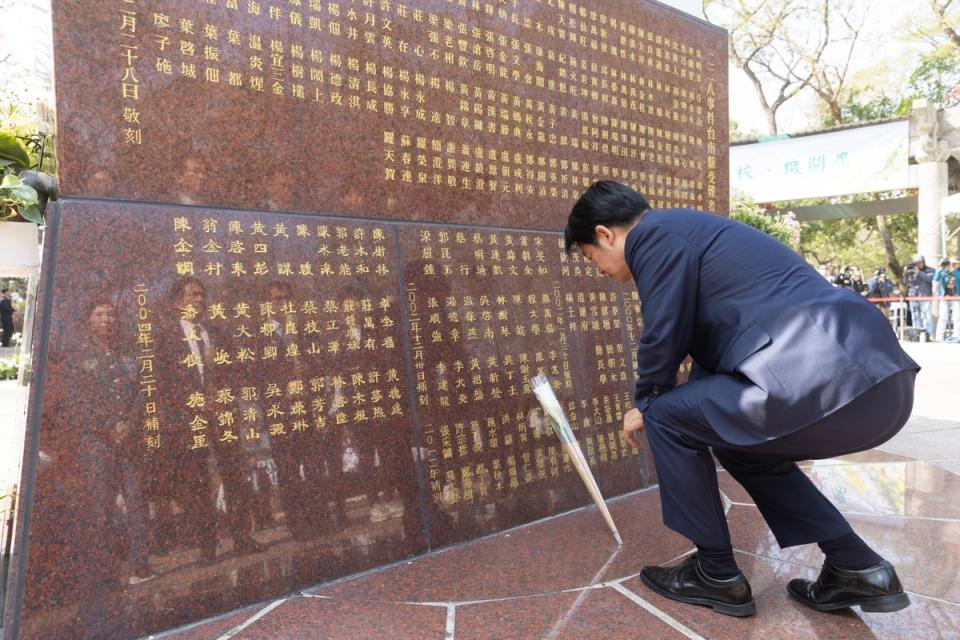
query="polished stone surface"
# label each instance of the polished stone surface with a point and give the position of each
(199, 445)
(360, 397)
(590, 613)
(433, 111)
(306, 617)
(562, 578)
(487, 310)
(279, 454)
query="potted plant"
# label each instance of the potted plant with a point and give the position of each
(24, 189)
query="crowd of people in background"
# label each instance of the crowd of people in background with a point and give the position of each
(923, 300)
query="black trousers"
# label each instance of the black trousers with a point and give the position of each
(6, 332)
(680, 438)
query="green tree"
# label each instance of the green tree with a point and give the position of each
(859, 242)
(935, 78)
(938, 22)
(867, 105)
(937, 74)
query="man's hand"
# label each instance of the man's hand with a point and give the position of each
(632, 424)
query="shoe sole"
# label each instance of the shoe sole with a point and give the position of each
(728, 609)
(876, 604)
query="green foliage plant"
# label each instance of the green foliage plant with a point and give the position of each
(783, 227)
(9, 368)
(18, 199)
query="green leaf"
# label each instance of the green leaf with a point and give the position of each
(14, 151)
(26, 195)
(10, 180)
(31, 213)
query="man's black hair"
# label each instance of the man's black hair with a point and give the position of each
(606, 203)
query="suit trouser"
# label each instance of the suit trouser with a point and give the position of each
(949, 315)
(796, 512)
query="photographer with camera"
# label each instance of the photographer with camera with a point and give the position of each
(945, 284)
(919, 280)
(859, 286)
(845, 280)
(880, 286)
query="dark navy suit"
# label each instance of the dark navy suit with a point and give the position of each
(786, 367)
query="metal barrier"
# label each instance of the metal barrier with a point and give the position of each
(898, 310)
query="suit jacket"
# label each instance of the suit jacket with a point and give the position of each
(6, 310)
(176, 381)
(742, 303)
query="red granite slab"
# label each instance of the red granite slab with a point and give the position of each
(594, 613)
(299, 618)
(603, 325)
(206, 630)
(487, 310)
(322, 107)
(574, 550)
(289, 463)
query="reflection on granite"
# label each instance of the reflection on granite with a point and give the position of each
(238, 405)
(594, 613)
(299, 618)
(488, 309)
(779, 616)
(543, 581)
(925, 552)
(224, 419)
(562, 553)
(916, 489)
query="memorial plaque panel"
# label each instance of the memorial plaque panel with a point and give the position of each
(233, 402)
(225, 408)
(487, 310)
(484, 316)
(599, 317)
(437, 110)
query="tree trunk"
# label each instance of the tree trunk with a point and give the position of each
(771, 120)
(836, 113)
(769, 111)
(890, 249)
(945, 26)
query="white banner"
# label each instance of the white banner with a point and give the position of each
(861, 160)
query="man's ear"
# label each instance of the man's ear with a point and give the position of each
(605, 235)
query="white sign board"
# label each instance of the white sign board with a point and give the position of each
(860, 160)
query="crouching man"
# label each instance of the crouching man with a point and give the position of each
(786, 368)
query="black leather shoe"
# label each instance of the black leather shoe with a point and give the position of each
(687, 582)
(874, 589)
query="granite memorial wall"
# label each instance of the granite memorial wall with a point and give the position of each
(306, 259)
